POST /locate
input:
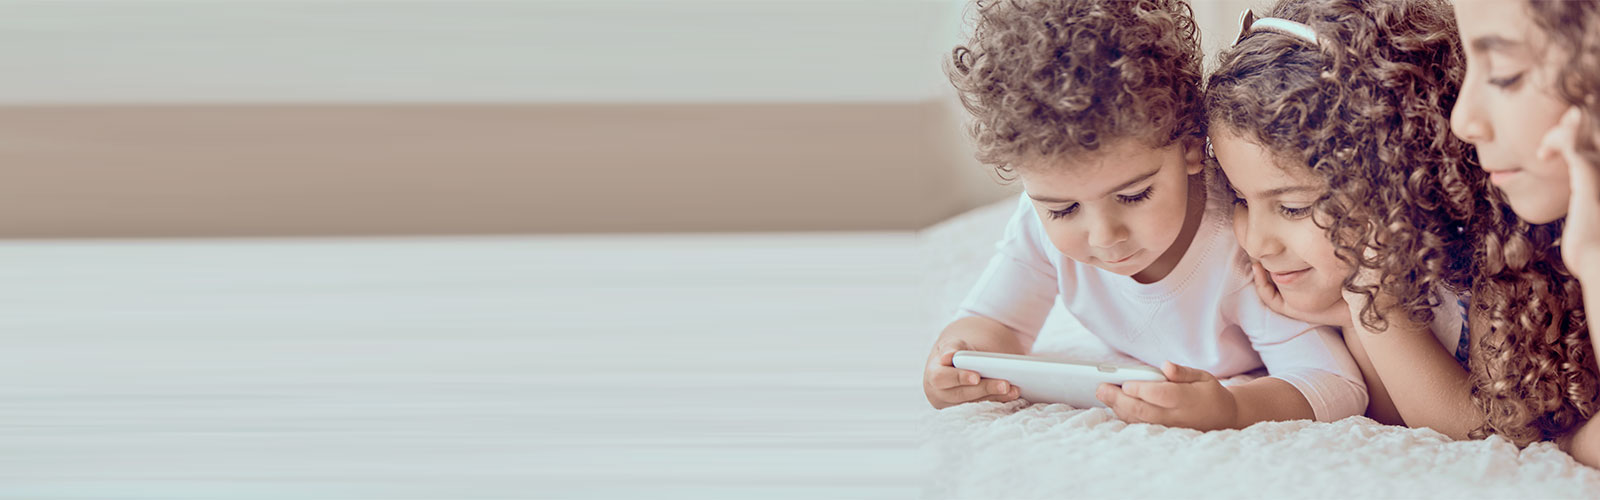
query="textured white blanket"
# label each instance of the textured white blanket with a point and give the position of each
(1014, 450)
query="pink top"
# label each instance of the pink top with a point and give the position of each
(1205, 314)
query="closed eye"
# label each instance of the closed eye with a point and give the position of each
(1057, 214)
(1294, 212)
(1508, 81)
(1135, 199)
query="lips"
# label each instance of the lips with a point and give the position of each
(1123, 259)
(1500, 176)
(1288, 277)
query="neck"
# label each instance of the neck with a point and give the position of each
(1191, 226)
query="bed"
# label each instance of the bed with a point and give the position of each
(605, 366)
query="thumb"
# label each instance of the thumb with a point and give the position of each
(1183, 374)
(1563, 139)
(947, 355)
(1265, 288)
(1560, 137)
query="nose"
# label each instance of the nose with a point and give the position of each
(1255, 236)
(1107, 232)
(1467, 120)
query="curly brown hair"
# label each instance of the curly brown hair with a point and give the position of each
(1574, 29)
(1366, 109)
(1044, 78)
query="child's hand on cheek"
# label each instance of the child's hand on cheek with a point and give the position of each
(1336, 314)
(1580, 240)
(1189, 398)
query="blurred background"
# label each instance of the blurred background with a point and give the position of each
(479, 249)
(284, 118)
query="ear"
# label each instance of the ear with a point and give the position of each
(1194, 155)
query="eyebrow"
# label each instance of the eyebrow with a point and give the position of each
(1494, 43)
(1125, 185)
(1280, 191)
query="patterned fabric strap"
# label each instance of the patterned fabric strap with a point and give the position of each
(1463, 345)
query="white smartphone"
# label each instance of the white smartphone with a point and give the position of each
(1054, 380)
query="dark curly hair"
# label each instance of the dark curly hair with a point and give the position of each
(1044, 78)
(1366, 109)
(1574, 29)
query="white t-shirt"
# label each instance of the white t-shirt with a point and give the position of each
(1204, 314)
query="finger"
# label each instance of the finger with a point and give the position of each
(1163, 394)
(1264, 287)
(1009, 396)
(1563, 140)
(947, 355)
(988, 387)
(1585, 180)
(1561, 137)
(1183, 374)
(1129, 408)
(945, 377)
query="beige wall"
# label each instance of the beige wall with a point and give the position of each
(215, 170)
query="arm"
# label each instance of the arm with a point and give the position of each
(1339, 375)
(1313, 376)
(1428, 388)
(1268, 399)
(1380, 406)
(1004, 313)
(1580, 251)
(1195, 399)
(1584, 445)
(978, 333)
(1408, 345)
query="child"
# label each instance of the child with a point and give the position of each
(1322, 160)
(1530, 64)
(1330, 126)
(1094, 105)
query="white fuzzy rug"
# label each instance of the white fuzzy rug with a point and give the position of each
(1014, 450)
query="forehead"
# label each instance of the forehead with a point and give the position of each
(1486, 24)
(1252, 169)
(1085, 177)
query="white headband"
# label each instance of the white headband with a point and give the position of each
(1248, 23)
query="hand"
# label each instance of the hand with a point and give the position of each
(1580, 240)
(945, 385)
(1189, 398)
(1336, 314)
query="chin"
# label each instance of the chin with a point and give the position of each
(1538, 208)
(1311, 303)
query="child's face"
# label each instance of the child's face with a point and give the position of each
(1272, 217)
(1120, 210)
(1507, 105)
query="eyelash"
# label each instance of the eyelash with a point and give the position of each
(1134, 199)
(1287, 212)
(1506, 82)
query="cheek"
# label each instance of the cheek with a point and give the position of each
(1159, 222)
(1067, 239)
(1543, 191)
(1521, 122)
(1318, 252)
(1241, 227)
(1328, 264)
(1551, 176)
